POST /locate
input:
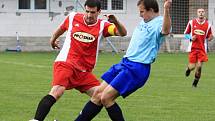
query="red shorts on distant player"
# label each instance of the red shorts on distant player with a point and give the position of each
(69, 77)
(197, 55)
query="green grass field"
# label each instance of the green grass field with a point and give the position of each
(167, 96)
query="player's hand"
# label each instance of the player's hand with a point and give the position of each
(167, 4)
(55, 44)
(111, 18)
(193, 37)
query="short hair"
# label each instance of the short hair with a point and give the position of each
(93, 3)
(148, 4)
(200, 8)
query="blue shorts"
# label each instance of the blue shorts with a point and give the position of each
(127, 76)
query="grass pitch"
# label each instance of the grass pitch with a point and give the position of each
(167, 96)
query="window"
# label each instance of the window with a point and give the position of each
(117, 5)
(40, 4)
(104, 4)
(113, 5)
(32, 4)
(24, 4)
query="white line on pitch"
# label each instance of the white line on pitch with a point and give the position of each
(24, 64)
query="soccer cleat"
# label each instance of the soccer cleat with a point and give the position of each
(187, 73)
(195, 82)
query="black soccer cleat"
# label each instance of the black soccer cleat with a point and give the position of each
(195, 82)
(187, 73)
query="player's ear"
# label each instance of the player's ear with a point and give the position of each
(152, 10)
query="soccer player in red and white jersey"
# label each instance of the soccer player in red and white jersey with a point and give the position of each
(76, 60)
(200, 32)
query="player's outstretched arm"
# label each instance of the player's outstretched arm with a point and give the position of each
(53, 41)
(211, 37)
(120, 29)
(167, 20)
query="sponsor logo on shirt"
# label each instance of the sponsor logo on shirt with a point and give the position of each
(83, 37)
(199, 32)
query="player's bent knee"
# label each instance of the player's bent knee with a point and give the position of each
(106, 100)
(96, 98)
(57, 91)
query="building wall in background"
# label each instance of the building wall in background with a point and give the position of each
(35, 27)
(35, 23)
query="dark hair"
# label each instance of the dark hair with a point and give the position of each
(148, 4)
(93, 3)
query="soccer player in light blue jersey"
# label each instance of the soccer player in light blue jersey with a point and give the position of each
(132, 72)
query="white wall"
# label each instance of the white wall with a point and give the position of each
(40, 24)
(29, 23)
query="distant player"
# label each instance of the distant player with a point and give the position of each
(132, 72)
(76, 60)
(198, 31)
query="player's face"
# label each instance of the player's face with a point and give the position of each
(201, 13)
(91, 15)
(146, 15)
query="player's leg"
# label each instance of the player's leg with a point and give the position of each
(61, 76)
(202, 57)
(48, 101)
(197, 74)
(192, 62)
(190, 67)
(94, 106)
(132, 76)
(116, 78)
(108, 100)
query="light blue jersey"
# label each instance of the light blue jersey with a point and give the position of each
(146, 41)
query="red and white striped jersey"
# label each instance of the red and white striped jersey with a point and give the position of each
(80, 48)
(202, 32)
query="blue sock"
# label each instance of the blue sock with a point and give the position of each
(115, 113)
(89, 112)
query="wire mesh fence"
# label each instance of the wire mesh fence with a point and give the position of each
(181, 12)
